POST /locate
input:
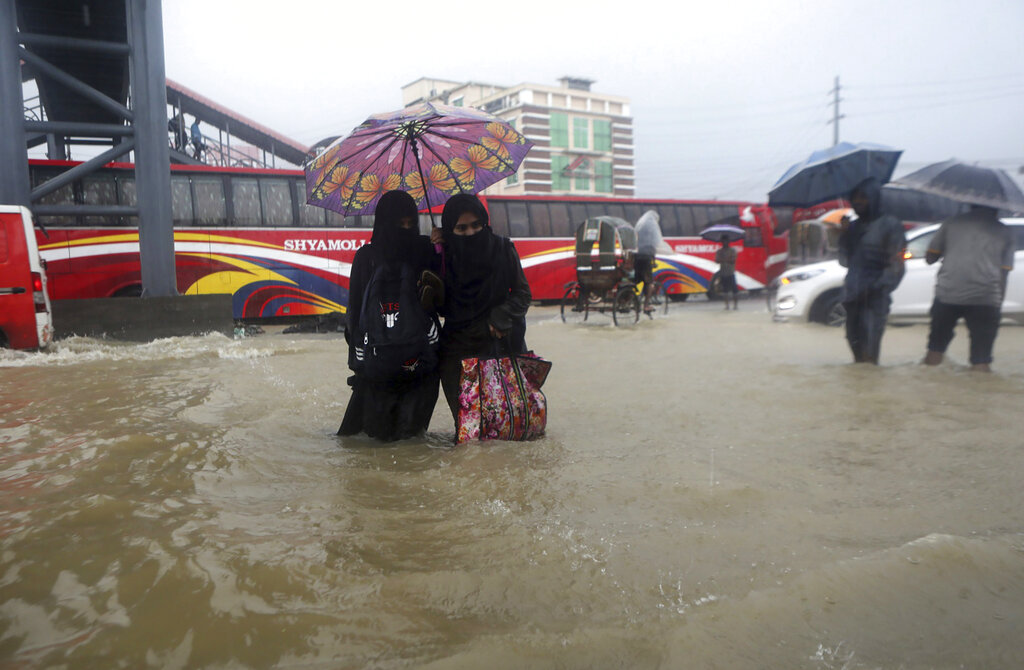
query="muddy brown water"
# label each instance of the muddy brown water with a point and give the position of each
(715, 491)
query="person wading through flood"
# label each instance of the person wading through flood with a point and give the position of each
(400, 408)
(726, 258)
(977, 250)
(871, 248)
(486, 292)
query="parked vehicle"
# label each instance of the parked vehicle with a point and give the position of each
(25, 321)
(811, 292)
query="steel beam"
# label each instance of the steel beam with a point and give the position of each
(79, 129)
(85, 210)
(14, 183)
(48, 69)
(82, 169)
(152, 155)
(97, 46)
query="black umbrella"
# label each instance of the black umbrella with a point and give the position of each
(970, 184)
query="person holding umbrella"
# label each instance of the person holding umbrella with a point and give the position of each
(726, 258)
(871, 248)
(976, 249)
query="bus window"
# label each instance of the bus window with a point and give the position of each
(126, 196)
(577, 215)
(668, 221)
(634, 212)
(719, 212)
(334, 220)
(561, 224)
(245, 199)
(99, 189)
(276, 198)
(497, 214)
(181, 201)
(700, 217)
(595, 209)
(208, 196)
(687, 226)
(540, 219)
(518, 220)
(616, 209)
(752, 237)
(62, 196)
(309, 215)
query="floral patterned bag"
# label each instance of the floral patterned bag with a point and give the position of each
(500, 398)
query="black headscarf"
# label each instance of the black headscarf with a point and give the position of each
(477, 274)
(389, 239)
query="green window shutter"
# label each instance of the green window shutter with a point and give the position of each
(582, 183)
(581, 133)
(603, 181)
(559, 182)
(560, 130)
(602, 135)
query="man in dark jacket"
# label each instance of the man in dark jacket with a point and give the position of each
(871, 248)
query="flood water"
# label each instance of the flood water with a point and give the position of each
(715, 491)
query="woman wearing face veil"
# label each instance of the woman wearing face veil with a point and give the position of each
(486, 293)
(397, 409)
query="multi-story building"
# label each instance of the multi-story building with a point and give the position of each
(583, 140)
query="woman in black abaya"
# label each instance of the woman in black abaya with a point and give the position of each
(398, 409)
(486, 292)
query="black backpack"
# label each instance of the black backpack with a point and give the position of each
(396, 338)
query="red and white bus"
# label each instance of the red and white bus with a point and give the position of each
(248, 232)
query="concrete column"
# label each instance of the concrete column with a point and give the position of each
(152, 154)
(14, 183)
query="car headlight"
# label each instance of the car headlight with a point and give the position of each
(801, 276)
(786, 303)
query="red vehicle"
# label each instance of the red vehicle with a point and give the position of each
(248, 232)
(25, 321)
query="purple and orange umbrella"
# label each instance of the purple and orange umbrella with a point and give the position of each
(432, 151)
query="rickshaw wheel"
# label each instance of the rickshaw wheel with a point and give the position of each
(659, 298)
(626, 308)
(575, 307)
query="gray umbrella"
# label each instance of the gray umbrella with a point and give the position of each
(970, 184)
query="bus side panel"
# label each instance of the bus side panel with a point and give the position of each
(270, 272)
(549, 264)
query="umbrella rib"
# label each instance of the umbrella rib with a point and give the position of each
(445, 163)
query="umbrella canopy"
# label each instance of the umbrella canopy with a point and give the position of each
(722, 232)
(832, 173)
(969, 184)
(431, 151)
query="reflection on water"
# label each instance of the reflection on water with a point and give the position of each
(716, 491)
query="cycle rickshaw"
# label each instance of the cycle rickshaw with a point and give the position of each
(605, 249)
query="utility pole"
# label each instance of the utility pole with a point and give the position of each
(835, 112)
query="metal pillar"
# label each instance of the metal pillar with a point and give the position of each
(14, 184)
(152, 155)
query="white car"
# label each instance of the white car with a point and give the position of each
(811, 292)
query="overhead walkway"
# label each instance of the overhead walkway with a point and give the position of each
(259, 146)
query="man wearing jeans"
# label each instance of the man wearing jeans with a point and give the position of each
(976, 249)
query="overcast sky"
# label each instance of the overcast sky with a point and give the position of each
(724, 97)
